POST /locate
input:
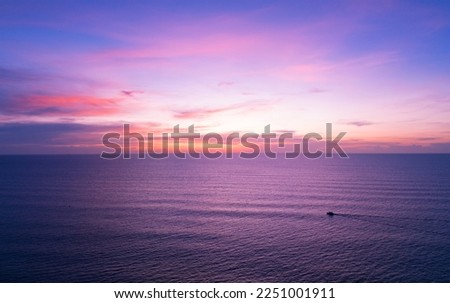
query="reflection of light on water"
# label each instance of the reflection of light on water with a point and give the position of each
(387, 222)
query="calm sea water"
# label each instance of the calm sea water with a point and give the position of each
(83, 219)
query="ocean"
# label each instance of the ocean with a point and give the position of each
(85, 219)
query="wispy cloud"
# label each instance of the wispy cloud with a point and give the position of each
(326, 69)
(205, 112)
(51, 105)
(360, 123)
(20, 75)
(317, 90)
(202, 112)
(428, 138)
(225, 83)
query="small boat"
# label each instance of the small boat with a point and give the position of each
(330, 213)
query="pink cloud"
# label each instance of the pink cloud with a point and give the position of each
(54, 105)
(210, 45)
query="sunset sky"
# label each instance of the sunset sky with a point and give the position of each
(72, 70)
